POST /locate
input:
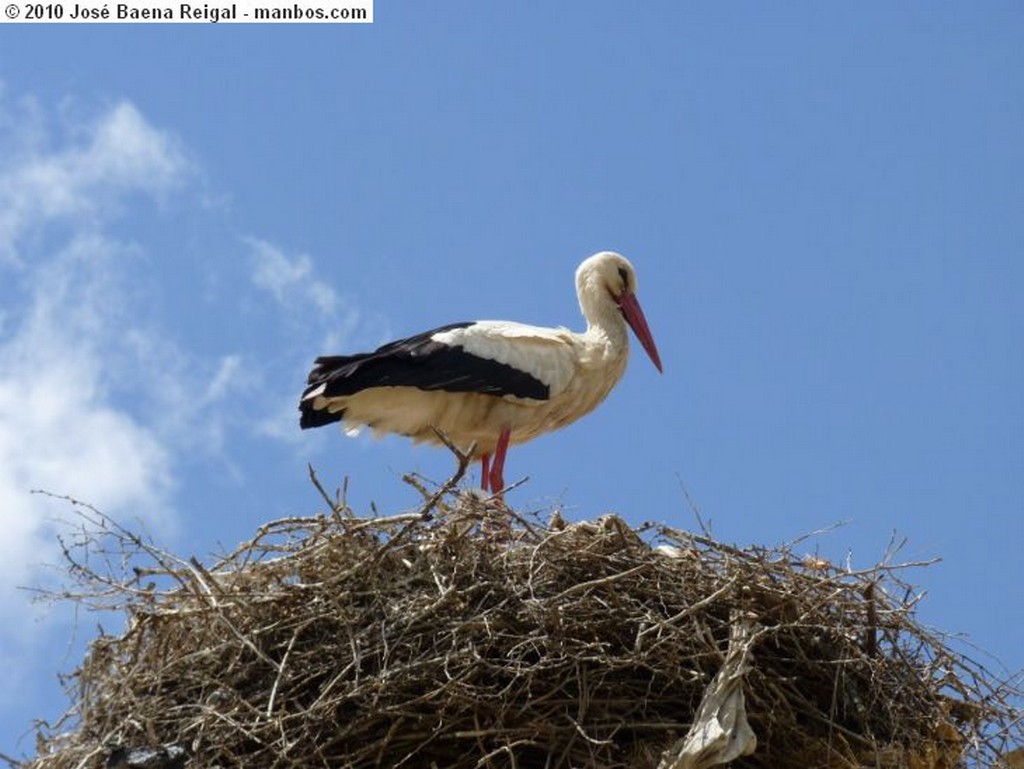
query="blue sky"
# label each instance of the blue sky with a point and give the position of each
(824, 205)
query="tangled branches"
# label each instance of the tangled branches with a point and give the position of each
(461, 635)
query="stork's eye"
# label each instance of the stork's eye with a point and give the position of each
(624, 276)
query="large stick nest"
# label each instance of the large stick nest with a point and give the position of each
(462, 635)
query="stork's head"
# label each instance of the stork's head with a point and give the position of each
(607, 280)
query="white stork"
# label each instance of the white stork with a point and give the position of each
(492, 383)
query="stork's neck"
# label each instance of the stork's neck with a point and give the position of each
(605, 323)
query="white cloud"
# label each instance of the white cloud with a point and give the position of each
(60, 428)
(320, 321)
(290, 280)
(121, 154)
(179, 391)
(326, 320)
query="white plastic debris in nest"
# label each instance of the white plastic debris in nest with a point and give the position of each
(720, 733)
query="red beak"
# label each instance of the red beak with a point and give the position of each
(635, 318)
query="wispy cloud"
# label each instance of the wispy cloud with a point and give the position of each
(59, 426)
(319, 320)
(293, 284)
(86, 180)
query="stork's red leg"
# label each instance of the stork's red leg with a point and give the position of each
(497, 480)
(485, 471)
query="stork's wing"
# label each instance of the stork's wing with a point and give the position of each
(489, 357)
(547, 355)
